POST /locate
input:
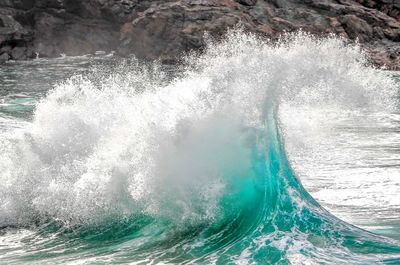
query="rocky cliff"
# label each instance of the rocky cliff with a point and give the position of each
(163, 29)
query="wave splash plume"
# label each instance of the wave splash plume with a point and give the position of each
(126, 165)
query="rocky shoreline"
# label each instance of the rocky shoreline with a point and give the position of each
(164, 29)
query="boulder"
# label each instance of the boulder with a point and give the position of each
(4, 57)
(19, 53)
(357, 28)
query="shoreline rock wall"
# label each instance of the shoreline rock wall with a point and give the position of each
(164, 29)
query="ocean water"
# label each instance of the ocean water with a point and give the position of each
(251, 153)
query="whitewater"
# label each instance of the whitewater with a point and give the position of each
(128, 162)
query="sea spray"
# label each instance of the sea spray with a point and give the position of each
(128, 165)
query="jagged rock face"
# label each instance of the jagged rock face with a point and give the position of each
(164, 29)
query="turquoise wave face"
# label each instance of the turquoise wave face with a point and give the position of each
(130, 168)
(265, 217)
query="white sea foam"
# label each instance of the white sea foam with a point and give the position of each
(123, 142)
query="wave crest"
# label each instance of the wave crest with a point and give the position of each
(198, 150)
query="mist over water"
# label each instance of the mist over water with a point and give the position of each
(130, 164)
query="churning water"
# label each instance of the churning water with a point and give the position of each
(201, 164)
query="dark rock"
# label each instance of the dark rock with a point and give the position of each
(384, 56)
(5, 49)
(247, 2)
(4, 57)
(7, 22)
(13, 38)
(18, 4)
(356, 27)
(46, 4)
(164, 29)
(18, 53)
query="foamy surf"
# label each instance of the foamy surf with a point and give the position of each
(126, 165)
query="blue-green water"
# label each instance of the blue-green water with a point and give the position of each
(132, 163)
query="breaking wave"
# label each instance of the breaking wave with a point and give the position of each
(130, 165)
